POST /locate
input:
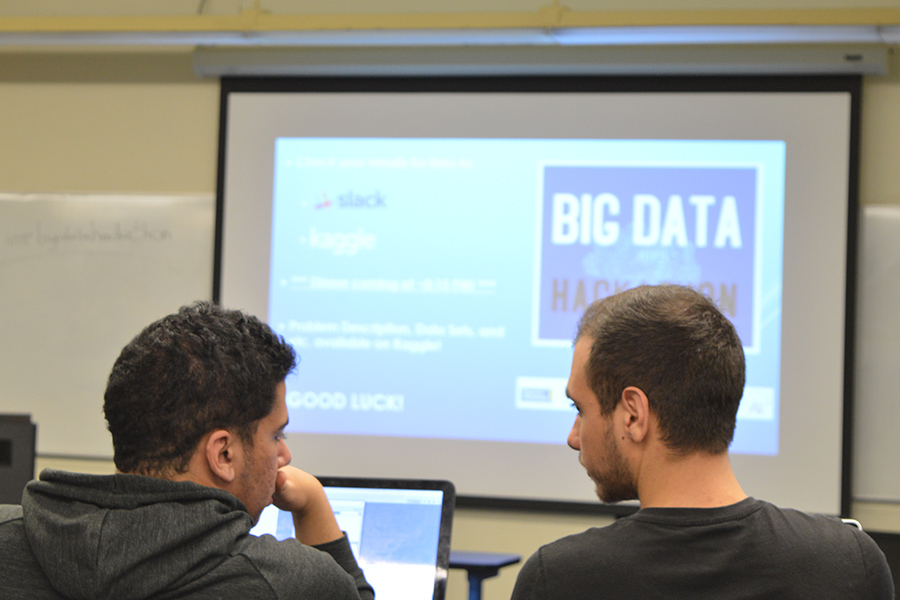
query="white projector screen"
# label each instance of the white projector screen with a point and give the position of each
(427, 246)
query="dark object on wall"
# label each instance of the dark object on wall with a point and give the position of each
(17, 436)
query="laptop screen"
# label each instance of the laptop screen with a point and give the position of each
(399, 530)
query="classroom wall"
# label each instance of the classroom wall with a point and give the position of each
(142, 122)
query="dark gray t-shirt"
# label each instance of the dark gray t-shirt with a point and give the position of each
(751, 549)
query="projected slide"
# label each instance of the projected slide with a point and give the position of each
(393, 259)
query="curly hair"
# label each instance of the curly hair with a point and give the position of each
(200, 369)
(675, 345)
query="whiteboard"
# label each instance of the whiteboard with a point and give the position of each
(80, 275)
(876, 443)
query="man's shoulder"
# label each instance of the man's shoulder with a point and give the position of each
(576, 566)
(12, 530)
(750, 518)
(10, 512)
(717, 550)
(602, 544)
(19, 570)
(810, 529)
(755, 525)
(289, 565)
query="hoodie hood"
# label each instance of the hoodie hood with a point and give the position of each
(128, 537)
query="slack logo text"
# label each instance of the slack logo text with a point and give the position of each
(351, 199)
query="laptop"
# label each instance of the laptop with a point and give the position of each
(399, 530)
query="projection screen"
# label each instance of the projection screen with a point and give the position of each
(428, 244)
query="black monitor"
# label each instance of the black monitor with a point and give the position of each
(17, 437)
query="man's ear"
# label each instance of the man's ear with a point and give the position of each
(636, 409)
(221, 449)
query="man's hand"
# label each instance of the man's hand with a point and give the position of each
(302, 494)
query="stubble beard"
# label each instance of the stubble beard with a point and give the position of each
(616, 483)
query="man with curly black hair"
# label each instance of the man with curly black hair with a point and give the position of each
(196, 408)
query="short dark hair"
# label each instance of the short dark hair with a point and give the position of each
(676, 346)
(200, 369)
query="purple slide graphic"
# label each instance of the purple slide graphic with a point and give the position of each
(609, 228)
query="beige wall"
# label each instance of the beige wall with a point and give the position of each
(142, 122)
(106, 122)
(880, 136)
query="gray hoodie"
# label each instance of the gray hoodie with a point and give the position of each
(128, 537)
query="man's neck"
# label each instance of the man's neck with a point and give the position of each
(696, 480)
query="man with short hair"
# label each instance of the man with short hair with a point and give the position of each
(196, 407)
(657, 376)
